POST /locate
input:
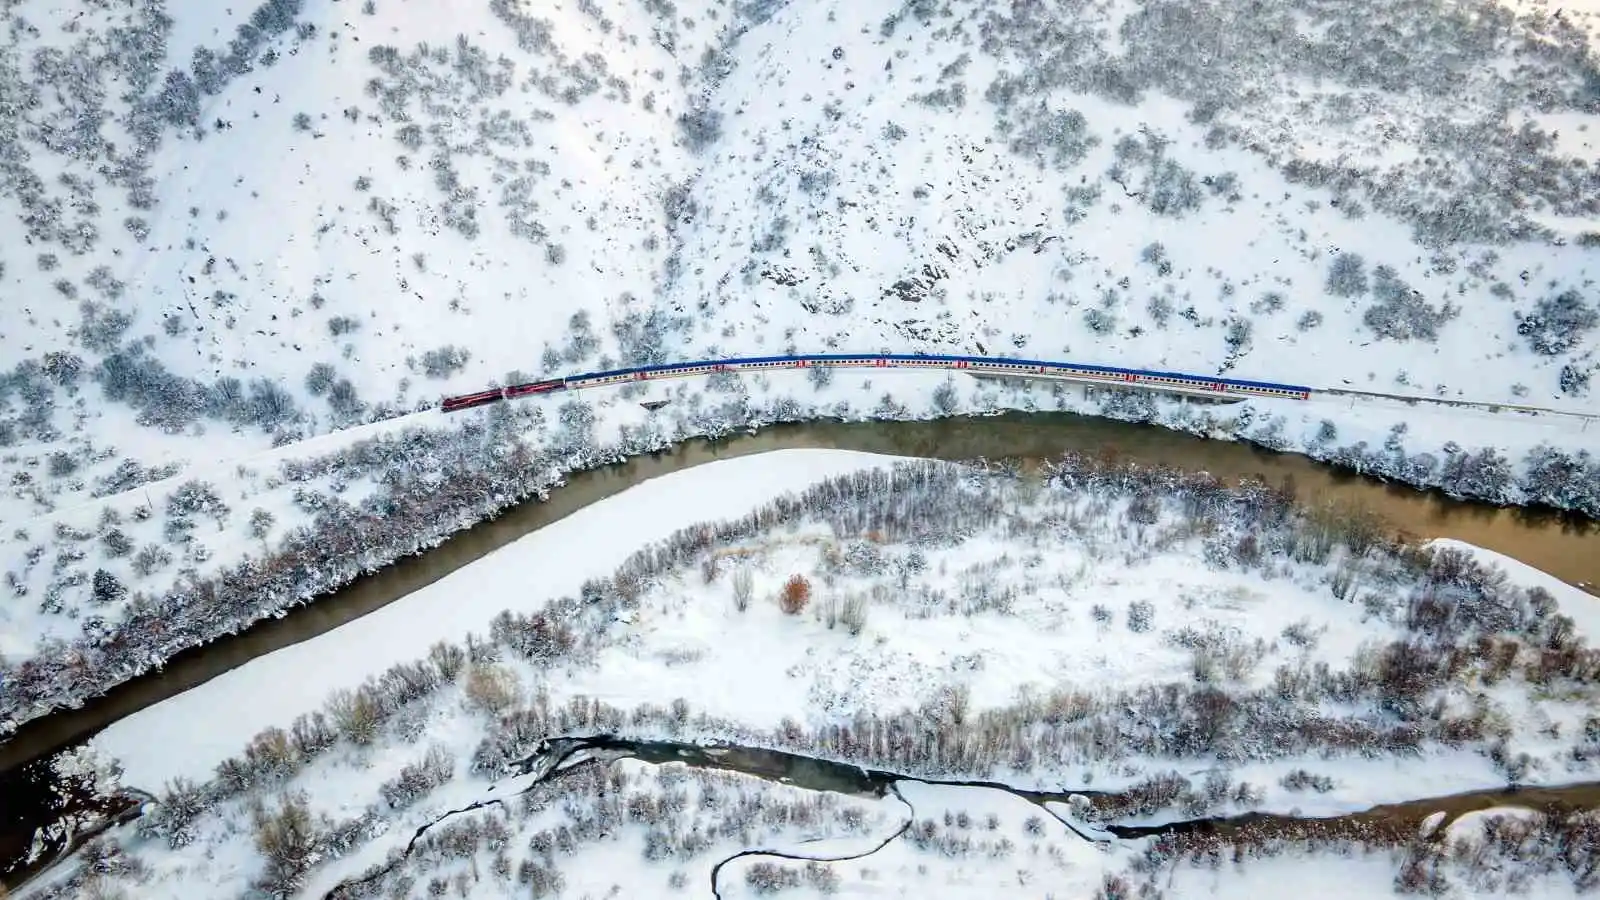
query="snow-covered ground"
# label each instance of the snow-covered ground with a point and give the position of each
(549, 563)
(1028, 630)
(334, 212)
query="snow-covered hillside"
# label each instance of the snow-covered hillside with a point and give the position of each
(1167, 647)
(224, 229)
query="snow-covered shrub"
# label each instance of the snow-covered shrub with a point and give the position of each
(1347, 276)
(339, 326)
(1558, 324)
(853, 613)
(1400, 313)
(1308, 320)
(1301, 780)
(540, 880)
(1300, 634)
(116, 543)
(1058, 138)
(1484, 474)
(311, 733)
(170, 818)
(150, 559)
(771, 878)
(445, 361)
(196, 498)
(272, 755)
(642, 339)
(1099, 321)
(355, 713)
(105, 588)
(701, 128)
(406, 682)
(1238, 336)
(491, 688)
(1115, 887)
(743, 588)
(418, 778)
(945, 397)
(1160, 310)
(1155, 254)
(1141, 614)
(1269, 303)
(1171, 190)
(320, 379)
(539, 637)
(1573, 380)
(267, 405)
(448, 659)
(287, 838)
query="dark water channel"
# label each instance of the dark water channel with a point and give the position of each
(1567, 547)
(1400, 821)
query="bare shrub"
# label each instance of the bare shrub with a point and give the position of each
(1115, 887)
(821, 878)
(743, 588)
(418, 778)
(1300, 780)
(540, 637)
(272, 754)
(287, 838)
(174, 813)
(541, 880)
(770, 878)
(311, 734)
(234, 776)
(796, 594)
(854, 613)
(830, 611)
(355, 713)
(448, 659)
(1301, 634)
(491, 688)
(406, 682)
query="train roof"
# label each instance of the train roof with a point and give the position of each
(910, 357)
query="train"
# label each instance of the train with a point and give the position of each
(1177, 382)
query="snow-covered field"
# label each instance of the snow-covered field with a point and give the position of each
(228, 229)
(1184, 647)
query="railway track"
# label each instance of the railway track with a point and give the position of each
(1111, 376)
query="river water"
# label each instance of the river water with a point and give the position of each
(1567, 547)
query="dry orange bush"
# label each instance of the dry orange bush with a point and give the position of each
(491, 688)
(796, 594)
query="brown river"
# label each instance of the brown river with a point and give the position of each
(1564, 546)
